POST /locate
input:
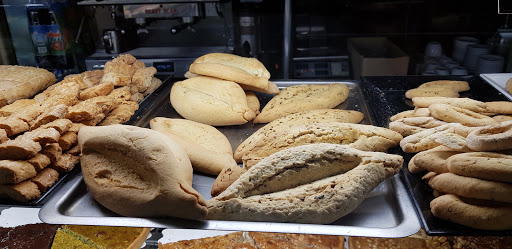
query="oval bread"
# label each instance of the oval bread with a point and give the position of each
(211, 101)
(466, 103)
(456, 85)
(452, 208)
(483, 165)
(491, 138)
(207, 148)
(453, 114)
(137, 172)
(431, 92)
(301, 98)
(299, 118)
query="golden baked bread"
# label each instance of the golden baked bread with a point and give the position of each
(19, 82)
(78, 236)
(456, 85)
(302, 98)
(138, 172)
(208, 149)
(211, 101)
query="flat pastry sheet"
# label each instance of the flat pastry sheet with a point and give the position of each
(387, 212)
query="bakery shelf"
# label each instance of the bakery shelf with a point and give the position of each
(387, 212)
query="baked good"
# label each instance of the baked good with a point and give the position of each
(466, 103)
(362, 137)
(433, 161)
(253, 102)
(39, 235)
(502, 118)
(227, 176)
(508, 85)
(433, 137)
(64, 163)
(208, 149)
(13, 125)
(19, 149)
(254, 240)
(138, 172)
(155, 83)
(246, 71)
(97, 90)
(16, 106)
(412, 167)
(121, 113)
(143, 78)
(301, 98)
(211, 101)
(483, 165)
(491, 138)
(78, 236)
(457, 85)
(12, 172)
(45, 179)
(39, 161)
(431, 92)
(120, 70)
(299, 118)
(412, 125)
(453, 114)
(470, 187)
(501, 107)
(67, 140)
(22, 192)
(91, 108)
(315, 191)
(19, 82)
(455, 209)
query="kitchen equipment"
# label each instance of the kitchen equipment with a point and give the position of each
(387, 212)
(111, 41)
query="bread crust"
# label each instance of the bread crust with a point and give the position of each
(491, 138)
(466, 103)
(138, 172)
(433, 161)
(303, 97)
(413, 125)
(456, 85)
(470, 187)
(431, 92)
(211, 101)
(483, 165)
(453, 114)
(452, 208)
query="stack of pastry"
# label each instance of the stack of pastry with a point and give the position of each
(220, 91)
(464, 145)
(38, 136)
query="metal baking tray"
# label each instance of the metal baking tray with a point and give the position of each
(386, 97)
(387, 212)
(498, 81)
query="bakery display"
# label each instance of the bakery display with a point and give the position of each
(138, 172)
(301, 98)
(39, 235)
(438, 88)
(77, 236)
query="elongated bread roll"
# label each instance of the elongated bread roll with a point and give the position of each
(466, 103)
(362, 137)
(431, 92)
(492, 137)
(19, 82)
(247, 71)
(301, 98)
(483, 165)
(207, 148)
(299, 118)
(451, 207)
(413, 125)
(138, 172)
(453, 114)
(211, 101)
(456, 85)
(323, 183)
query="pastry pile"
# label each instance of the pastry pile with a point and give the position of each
(462, 147)
(38, 136)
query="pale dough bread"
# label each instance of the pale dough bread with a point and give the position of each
(247, 71)
(301, 98)
(491, 138)
(431, 92)
(208, 149)
(451, 207)
(499, 107)
(453, 114)
(456, 85)
(483, 165)
(509, 85)
(315, 191)
(502, 118)
(138, 172)
(466, 103)
(226, 177)
(412, 125)
(433, 137)
(433, 161)
(417, 112)
(253, 102)
(299, 118)
(211, 101)
(19, 82)
(470, 187)
(362, 137)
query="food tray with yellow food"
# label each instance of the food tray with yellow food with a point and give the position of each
(386, 212)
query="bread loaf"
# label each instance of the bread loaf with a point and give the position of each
(211, 101)
(301, 98)
(138, 172)
(19, 82)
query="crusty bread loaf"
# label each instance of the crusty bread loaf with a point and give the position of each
(456, 85)
(301, 98)
(363, 137)
(208, 149)
(138, 172)
(413, 125)
(454, 114)
(299, 118)
(431, 92)
(225, 178)
(483, 165)
(466, 103)
(492, 137)
(323, 183)
(19, 82)
(211, 101)
(253, 102)
(247, 71)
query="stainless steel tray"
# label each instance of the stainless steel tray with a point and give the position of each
(387, 212)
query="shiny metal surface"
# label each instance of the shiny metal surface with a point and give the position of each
(386, 212)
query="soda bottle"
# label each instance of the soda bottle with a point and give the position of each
(38, 33)
(56, 43)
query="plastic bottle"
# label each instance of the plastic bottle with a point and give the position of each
(56, 43)
(38, 33)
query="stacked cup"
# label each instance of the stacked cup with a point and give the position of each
(459, 47)
(473, 52)
(489, 63)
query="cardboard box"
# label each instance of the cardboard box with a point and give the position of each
(376, 56)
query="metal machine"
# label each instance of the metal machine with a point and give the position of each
(168, 35)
